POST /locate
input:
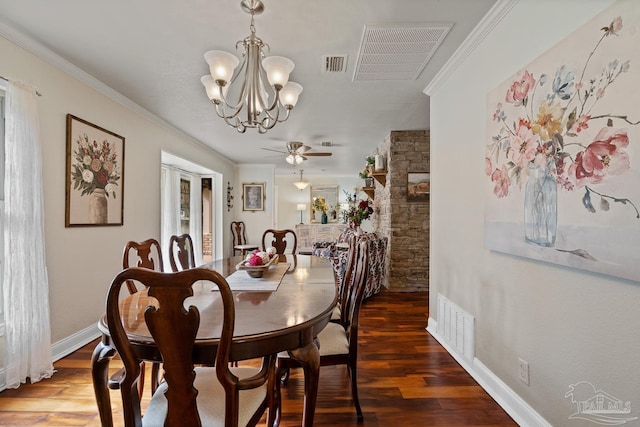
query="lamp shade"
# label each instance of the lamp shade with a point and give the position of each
(301, 185)
(221, 64)
(301, 207)
(278, 69)
(290, 93)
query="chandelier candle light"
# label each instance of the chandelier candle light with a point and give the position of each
(252, 106)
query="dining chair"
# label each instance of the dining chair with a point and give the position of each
(181, 256)
(239, 233)
(338, 341)
(280, 239)
(189, 395)
(146, 254)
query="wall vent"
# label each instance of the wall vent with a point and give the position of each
(456, 327)
(398, 52)
(334, 63)
(327, 144)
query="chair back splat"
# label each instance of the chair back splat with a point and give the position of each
(146, 254)
(279, 239)
(181, 256)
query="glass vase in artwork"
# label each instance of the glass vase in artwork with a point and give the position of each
(540, 206)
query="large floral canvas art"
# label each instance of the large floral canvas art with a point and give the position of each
(563, 151)
(95, 175)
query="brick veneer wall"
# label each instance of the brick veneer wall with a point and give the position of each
(405, 224)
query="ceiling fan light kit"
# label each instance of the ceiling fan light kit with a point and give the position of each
(295, 159)
(257, 103)
(297, 152)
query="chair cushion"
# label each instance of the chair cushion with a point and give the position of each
(333, 340)
(210, 400)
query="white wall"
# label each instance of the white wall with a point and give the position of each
(82, 261)
(255, 221)
(569, 325)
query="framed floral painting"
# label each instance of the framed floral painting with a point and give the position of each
(94, 175)
(253, 197)
(563, 151)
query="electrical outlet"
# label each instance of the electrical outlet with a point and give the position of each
(524, 371)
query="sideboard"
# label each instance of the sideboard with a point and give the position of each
(309, 233)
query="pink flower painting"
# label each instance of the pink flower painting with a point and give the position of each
(562, 151)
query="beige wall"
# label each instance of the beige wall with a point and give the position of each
(569, 325)
(82, 261)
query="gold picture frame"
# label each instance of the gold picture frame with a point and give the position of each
(94, 188)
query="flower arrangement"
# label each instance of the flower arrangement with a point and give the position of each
(257, 258)
(320, 204)
(543, 123)
(358, 211)
(95, 166)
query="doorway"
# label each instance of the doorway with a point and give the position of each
(189, 202)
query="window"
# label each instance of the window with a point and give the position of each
(2, 169)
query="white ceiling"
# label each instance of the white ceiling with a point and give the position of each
(151, 52)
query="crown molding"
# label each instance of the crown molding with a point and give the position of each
(484, 27)
(42, 52)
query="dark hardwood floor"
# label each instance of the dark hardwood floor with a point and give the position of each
(405, 378)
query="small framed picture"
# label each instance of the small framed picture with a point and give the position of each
(94, 189)
(418, 186)
(253, 196)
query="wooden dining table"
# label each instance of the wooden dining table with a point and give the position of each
(266, 322)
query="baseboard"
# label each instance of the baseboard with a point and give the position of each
(512, 403)
(68, 345)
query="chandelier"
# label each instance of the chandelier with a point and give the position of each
(301, 184)
(251, 103)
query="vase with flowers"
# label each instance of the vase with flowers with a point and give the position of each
(320, 205)
(550, 135)
(359, 210)
(95, 173)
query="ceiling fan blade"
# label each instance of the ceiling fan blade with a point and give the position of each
(318, 154)
(277, 151)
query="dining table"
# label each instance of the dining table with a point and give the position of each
(283, 316)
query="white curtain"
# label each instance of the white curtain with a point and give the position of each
(25, 283)
(195, 223)
(170, 216)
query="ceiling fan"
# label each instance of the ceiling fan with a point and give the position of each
(297, 152)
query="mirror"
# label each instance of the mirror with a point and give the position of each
(324, 198)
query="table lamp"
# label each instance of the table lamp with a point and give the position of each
(301, 207)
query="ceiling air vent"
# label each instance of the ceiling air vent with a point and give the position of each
(397, 52)
(334, 63)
